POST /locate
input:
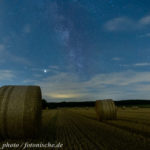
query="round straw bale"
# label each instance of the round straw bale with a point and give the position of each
(135, 107)
(123, 107)
(106, 109)
(20, 111)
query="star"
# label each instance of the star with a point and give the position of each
(45, 71)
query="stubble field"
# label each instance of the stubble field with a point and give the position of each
(79, 129)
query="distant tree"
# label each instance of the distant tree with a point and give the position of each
(44, 103)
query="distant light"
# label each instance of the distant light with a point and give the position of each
(45, 71)
(56, 95)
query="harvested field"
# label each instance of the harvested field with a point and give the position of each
(79, 129)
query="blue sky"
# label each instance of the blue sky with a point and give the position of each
(77, 50)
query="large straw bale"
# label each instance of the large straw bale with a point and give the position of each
(106, 109)
(20, 111)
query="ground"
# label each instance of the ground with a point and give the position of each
(79, 129)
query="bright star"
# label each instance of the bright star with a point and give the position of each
(45, 71)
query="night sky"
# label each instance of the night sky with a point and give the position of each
(77, 50)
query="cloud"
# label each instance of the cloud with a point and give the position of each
(145, 20)
(145, 35)
(117, 85)
(124, 65)
(60, 86)
(28, 81)
(6, 75)
(121, 23)
(54, 67)
(116, 58)
(119, 79)
(6, 56)
(125, 24)
(142, 64)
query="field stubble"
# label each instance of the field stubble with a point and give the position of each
(79, 129)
